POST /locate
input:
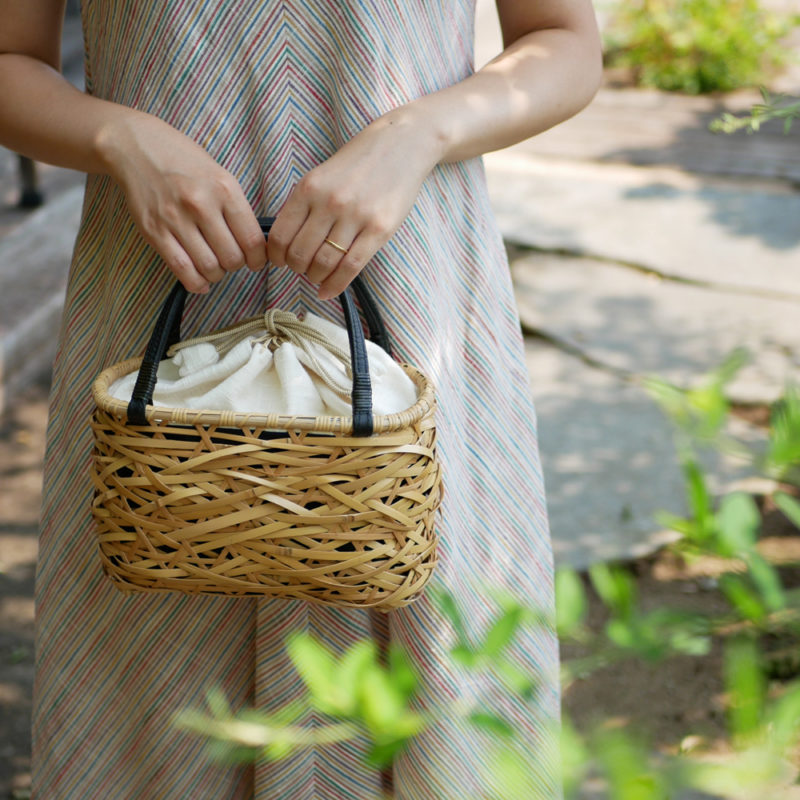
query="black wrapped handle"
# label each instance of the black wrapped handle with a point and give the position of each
(167, 332)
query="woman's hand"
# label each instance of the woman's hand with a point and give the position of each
(188, 207)
(356, 199)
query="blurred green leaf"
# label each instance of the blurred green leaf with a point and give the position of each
(615, 588)
(701, 410)
(671, 399)
(311, 658)
(621, 633)
(465, 656)
(700, 502)
(696, 46)
(625, 762)
(217, 703)
(753, 773)
(492, 723)
(350, 671)
(402, 674)
(784, 719)
(667, 519)
(571, 602)
(501, 632)
(708, 407)
(380, 755)
(317, 666)
(690, 644)
(783, 452)
(738, 523)
(278, 750)
(789, 506)
(742, 597)
(511, 773)
(447, 605)
(575, 757)
(765, 577)
(382, 704)
(517, 679)
(744, 684)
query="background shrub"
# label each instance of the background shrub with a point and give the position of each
(697, 46)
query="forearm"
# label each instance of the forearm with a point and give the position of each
(48, 119)
(189, 208)
(542, 79)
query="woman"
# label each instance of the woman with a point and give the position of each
(358, 123)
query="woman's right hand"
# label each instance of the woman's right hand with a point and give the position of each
(187, 206)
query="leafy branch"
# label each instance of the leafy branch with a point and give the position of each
(774, 107)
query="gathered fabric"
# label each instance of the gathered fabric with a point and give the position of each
(277, 364)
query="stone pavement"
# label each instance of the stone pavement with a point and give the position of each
(35, 248)
(644, 244)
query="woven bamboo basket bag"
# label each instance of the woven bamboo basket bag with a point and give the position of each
(333, 510)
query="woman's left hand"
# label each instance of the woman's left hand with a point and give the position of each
(356, 199)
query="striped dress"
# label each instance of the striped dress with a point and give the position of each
(271, 88)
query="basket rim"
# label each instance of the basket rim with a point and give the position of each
(383, 423)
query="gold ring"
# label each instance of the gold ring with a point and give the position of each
(337, 246)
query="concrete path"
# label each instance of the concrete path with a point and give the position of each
(609, 459)
(641, 270)
(35, 251)
(653, 246)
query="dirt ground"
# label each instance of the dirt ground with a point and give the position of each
(670, 700)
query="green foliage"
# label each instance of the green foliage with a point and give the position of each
(696, 46)
(357, 688)
(489, 653)
(626, 764)
(773, 107)
(789, 505)
(615, 586)
(571, 603)
(783, 456)
(361, 697)
(745, 686)
(699, 415)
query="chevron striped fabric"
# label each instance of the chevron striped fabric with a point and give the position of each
(271, 88)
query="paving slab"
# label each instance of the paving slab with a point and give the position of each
(34, 262)
(642, 324)
(609, 461)
(649, 127)
(739, 234)
(52, 181)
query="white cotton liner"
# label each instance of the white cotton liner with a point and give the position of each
(250, 378)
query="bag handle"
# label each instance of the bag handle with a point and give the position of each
(167, 332)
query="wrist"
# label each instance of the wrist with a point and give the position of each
(426, 130)
(114, 142)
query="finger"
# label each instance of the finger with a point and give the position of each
(328, 256)
(247, 233)
(286, 226)
(308, 240)
(359, 253)
(220, 240)
(203, 257)
(181, 265)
